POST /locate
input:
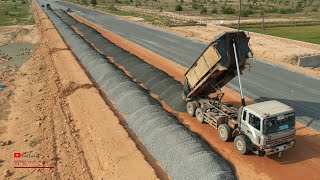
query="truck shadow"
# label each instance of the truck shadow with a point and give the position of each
(307, 147)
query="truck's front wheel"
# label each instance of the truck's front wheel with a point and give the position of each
(241, 144)
(224, 132)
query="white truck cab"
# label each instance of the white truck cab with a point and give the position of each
(269, 125)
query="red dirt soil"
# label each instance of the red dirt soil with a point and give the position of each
(302, 161)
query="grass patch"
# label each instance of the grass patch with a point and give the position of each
(303, 33)
(155, 20)
(16, 13)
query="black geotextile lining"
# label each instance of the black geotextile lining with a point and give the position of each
(183, 154)
(66, 17)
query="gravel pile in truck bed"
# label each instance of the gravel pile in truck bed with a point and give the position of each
(183, 154)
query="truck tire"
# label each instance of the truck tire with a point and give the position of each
(241, 144)
(200, 115)
(197, 104)
(191, 108)
(224, 132)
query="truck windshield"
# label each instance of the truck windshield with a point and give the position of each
(279, 123)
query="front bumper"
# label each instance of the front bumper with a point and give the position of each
(279, 148)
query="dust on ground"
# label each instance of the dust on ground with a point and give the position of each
(263, 48)
(295, 163)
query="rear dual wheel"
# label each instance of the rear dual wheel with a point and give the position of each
(200, 115)
(191, 107)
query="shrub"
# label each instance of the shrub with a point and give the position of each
(111, 7)
(287, 10)
(138, 3)
(84, 2)
(93, 2)
(314, 10)
(246, 12)
(270, 10)
(178, 7)
(213, 1)
(203, 10)
(227, 10)
(195, 5)
(214, 11)
(160, 9)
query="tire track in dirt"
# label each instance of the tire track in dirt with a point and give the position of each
(63, 131)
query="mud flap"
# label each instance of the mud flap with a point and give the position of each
(261, 152)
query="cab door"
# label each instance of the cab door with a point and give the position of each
(251, 125)
(255, 125)
(244, 123)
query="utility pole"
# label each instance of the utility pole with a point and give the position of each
(263, 21)
(262, 14)
(239, 15)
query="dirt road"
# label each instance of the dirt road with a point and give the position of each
(303, 161)
(54, 118)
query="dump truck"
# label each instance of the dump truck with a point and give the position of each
(263, 128)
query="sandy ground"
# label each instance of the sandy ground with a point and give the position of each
(263, 48)
(52, 114)
(18, 33)
(303, 161)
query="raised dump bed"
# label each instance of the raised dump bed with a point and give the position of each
(216, 66)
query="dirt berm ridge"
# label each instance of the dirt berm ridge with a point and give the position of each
(182, 154)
